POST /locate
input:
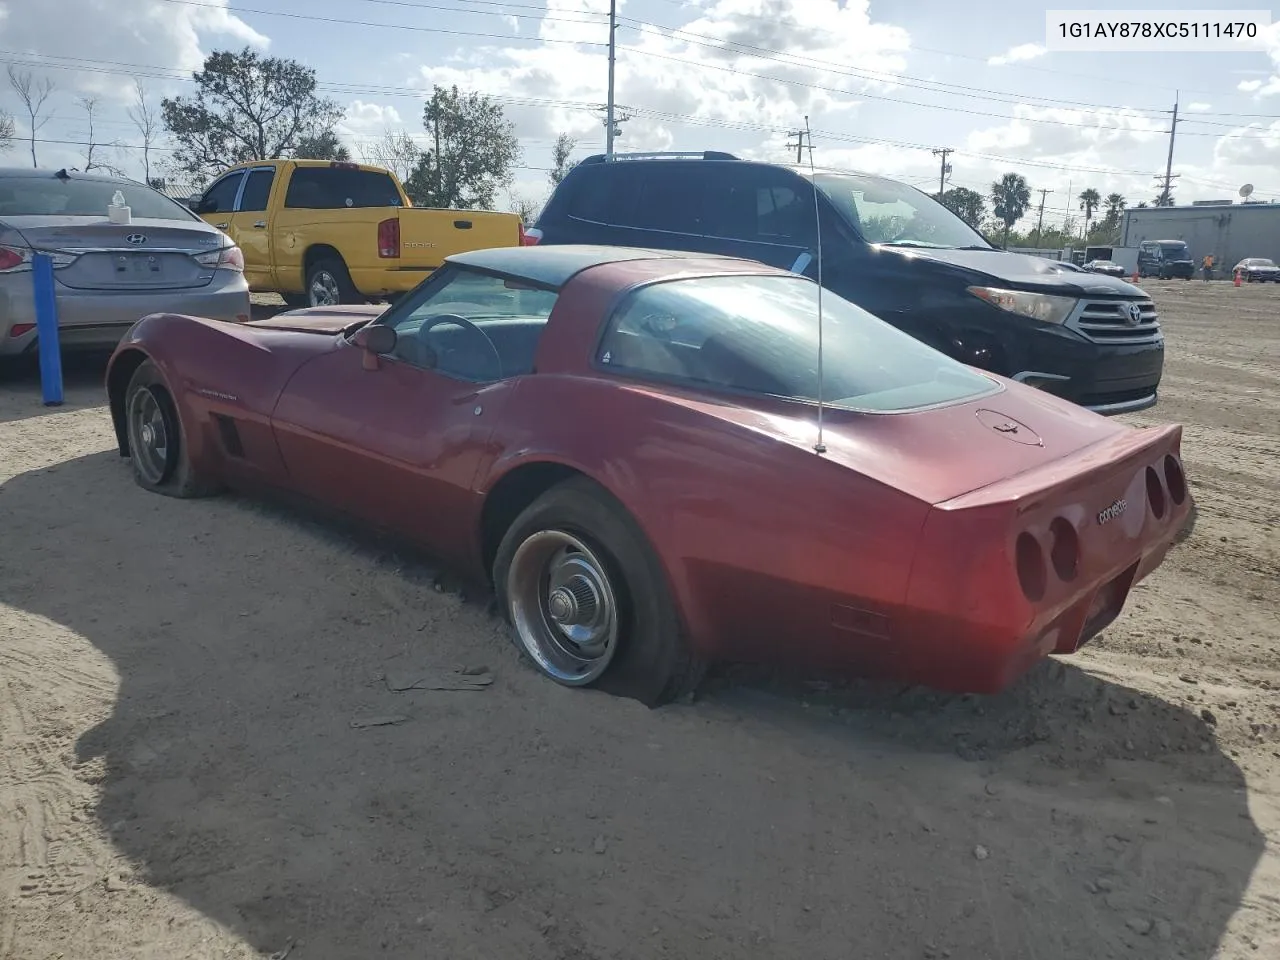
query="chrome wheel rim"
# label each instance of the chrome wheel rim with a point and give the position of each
(324, 289)
(152, 438)
(563, 607)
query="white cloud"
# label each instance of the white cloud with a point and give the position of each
(1249, 86)
(1019, 54)
(732, 39)
(1199, 107)
(1271, 87)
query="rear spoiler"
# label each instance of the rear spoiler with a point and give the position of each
(1143, 445)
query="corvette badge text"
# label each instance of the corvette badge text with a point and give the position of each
(1111, 512)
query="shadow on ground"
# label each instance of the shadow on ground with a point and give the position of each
(772, 818)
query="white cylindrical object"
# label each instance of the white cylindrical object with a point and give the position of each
(118, 214)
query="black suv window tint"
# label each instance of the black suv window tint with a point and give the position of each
(671, 197)
(257, 190)
(328, 188)
(762, 204)
(603, 194)
(221, 197)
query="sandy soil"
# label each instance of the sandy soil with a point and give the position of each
(180, 777)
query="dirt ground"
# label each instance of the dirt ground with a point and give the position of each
(180, 775)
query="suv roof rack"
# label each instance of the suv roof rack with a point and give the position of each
(664, 155)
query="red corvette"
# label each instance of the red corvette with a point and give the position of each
(626, 444)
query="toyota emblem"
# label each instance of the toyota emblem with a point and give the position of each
(136, 238)
(1135, 315)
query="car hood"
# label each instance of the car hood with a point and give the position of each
(327, 320)
(1021, 271)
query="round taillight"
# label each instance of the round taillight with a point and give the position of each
(1065, 552)
(1174, 477)
(1155, 493)
(1032, 575)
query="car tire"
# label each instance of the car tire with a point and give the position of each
(630, 638)
(158, 454)
(330, 275)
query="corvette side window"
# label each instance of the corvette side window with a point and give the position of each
(473, 326)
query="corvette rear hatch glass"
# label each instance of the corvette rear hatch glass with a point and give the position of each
(152, 252)
(760, 335)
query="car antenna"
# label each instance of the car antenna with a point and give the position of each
(818, 447)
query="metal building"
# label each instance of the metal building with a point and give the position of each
(1229, 231)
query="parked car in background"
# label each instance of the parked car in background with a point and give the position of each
(887, 247)
(107, 275)
(1165, 259)
(1257, 270)
(1104, 267)
(624, 443)
(320, 232)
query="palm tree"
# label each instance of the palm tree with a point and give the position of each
(1010, 198)
(1115, 204)
(1090, 201)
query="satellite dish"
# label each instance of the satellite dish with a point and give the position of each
(1246, 190)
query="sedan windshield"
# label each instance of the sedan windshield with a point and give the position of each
(1174, 251)
(759, 335)
(1257, 262)
(55, 197)
(883, 211)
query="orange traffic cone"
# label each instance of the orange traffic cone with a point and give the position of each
(1237, 278)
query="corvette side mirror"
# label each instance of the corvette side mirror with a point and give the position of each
(374, 339)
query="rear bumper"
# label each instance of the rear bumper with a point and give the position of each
(96, 320)
(384, 281)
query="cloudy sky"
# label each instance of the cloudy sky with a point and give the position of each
(883, 83)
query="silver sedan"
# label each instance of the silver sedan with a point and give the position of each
(108, 275)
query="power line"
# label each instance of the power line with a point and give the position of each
(695, 64)
(90, 65)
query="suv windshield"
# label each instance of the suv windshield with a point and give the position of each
(1174, 251)
(883, 211)
(55, 197)
(760, 335)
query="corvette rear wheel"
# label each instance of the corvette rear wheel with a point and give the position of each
(157, 442)
(587, 599)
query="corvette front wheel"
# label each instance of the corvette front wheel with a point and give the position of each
(587, 599)
(157, 442)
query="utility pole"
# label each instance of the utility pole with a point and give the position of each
(613, 50)
(1166, 193)
(1044, 192)
(942, 174)
(799, 144)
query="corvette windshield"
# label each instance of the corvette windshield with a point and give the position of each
(760, 335)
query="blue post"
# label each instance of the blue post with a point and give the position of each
(47, 330)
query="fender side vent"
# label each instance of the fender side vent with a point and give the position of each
(229, 435)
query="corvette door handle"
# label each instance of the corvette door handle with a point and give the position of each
(261, 225)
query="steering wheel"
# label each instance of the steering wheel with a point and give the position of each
(442, 318)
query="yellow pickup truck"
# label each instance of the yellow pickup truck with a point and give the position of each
(321, 233)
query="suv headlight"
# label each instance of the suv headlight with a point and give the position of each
(1036, 306)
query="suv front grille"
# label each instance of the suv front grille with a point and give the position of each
(1109, 321)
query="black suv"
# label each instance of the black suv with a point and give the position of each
(887, 247)
(1165, 259)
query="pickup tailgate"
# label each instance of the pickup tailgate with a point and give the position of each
(428, 235)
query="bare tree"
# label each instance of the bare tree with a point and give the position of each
(33, 94)
(397, 151)
(7, 131)
(526, 208)
(93, 150)
(147, 120)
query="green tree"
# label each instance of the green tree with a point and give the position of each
(1010, 198)
(247, 107)
(966, 204)
(322, 146)
(1090, 200)
(560, 162)
(471, 151)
